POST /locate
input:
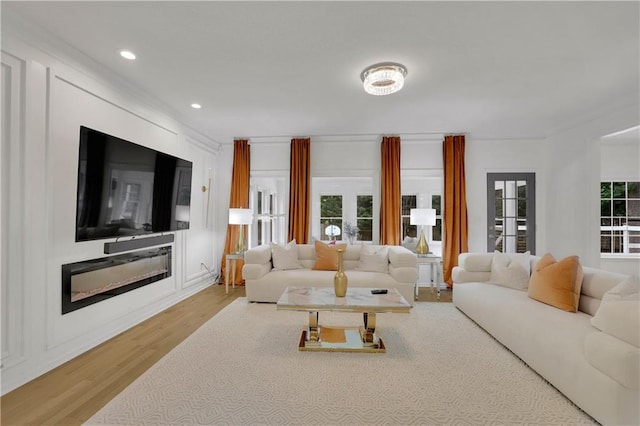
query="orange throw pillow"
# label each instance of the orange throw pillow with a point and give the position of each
(327, 256)
(557, 283)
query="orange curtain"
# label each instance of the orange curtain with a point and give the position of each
(455, 204)
(390, 195)
(239, 198)
(299, 187)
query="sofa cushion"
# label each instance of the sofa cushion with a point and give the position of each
(619, 312)
(327, 256)
(510, 270)
(595, 284)
(374, 259)
(557, 283)
(615, 358)
(285, 257)
(475, 262)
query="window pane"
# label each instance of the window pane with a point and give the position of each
(617, 242)
(522, 208)
(437, 230)
(365, 205)
(633, 208)
(522, 189)
(408, 230)
(499, 212)
(619, 190)
(605, 221)
(619, 208)
(260, 241)
(331, 206)
(605, 189)
(522, 244)
(259, 207)
(328, 222)
(605, 243)
(365, 229)
(633, 189)
(605, 208)
(436, 204)
(408, 203)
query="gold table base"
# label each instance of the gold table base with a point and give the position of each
(356, 339)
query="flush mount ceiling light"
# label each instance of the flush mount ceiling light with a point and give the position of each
(127, 55)
(384, 78)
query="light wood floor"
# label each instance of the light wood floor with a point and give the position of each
(73, 392)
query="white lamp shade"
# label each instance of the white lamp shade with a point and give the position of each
(332, 230)
(240, 216)
(182, 213)
(423, 217)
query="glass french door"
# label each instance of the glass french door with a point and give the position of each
(511, 212)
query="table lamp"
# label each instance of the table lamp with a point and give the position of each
(240, 217)
(422, 217)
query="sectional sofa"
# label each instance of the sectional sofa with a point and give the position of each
(591, 355)
(270, 268)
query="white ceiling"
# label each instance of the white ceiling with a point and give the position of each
(266, 69)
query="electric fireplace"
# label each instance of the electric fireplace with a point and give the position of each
(91, 281)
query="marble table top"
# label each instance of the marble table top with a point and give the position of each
(356, 300)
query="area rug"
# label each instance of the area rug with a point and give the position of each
(243, 368)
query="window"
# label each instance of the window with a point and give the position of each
(620, 217)
(330, 214)
(260, 217)
(411, 202)
(436, 201)
(365, 217)
(408, 202)
(267, 200)
(340, 201)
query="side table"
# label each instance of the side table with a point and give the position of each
(230, 262)
(436, 275)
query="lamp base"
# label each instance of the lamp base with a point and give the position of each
(422, 248)
(241, 245)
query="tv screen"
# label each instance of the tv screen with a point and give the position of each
(125, 189)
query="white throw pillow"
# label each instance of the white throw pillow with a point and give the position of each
(619, 312)
(509, 270)
(373, 259)
(524, 259)
(285, 257)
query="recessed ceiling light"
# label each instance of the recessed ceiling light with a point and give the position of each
(127, 55)
(196, 106)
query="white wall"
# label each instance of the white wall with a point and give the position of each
(45, 100)
(573, 196)
(502, 156)
(620, 161)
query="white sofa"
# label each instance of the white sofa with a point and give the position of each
(263, 283)
(596, 370)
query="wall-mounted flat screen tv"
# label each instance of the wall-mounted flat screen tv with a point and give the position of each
(126, 189)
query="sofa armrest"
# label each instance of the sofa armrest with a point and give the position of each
(402, 257)
(475, 262)
(257, 262)
(461, 275)
(254, 271)
(258, 255)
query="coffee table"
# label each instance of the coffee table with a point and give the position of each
(341, 339)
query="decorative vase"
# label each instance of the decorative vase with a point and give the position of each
(340, 281)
